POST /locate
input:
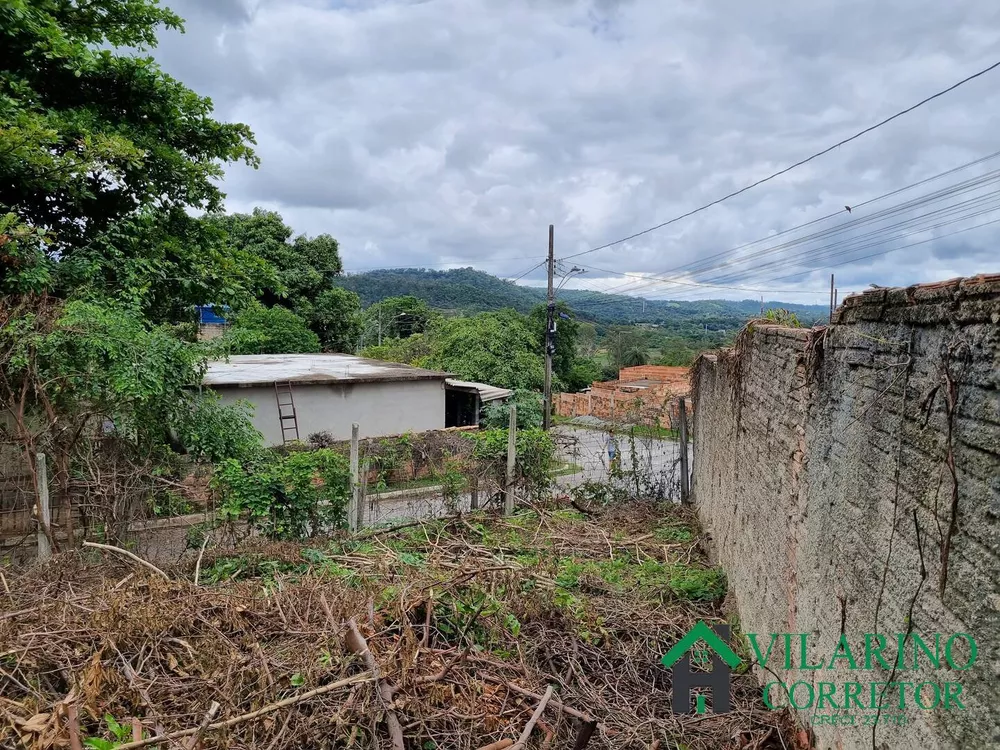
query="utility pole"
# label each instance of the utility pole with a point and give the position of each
(831, 297)
(550, 338)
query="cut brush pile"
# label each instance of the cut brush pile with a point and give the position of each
(540, 630)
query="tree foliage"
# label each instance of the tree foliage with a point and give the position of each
(396, 317)
(335, 317)
(270, 330)
(496, 415)
(304, 270)
(497, 348)
(89, 135)
(567, 331)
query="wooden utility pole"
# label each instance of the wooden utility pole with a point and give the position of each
(685, 477)
(550, 342)
(353, 509)
(832, 292)
(508, 498)
(44, 513)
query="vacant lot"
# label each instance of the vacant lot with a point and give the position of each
(444, 634)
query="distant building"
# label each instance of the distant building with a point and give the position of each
(645, 393)
(297, 395)
(210, 324)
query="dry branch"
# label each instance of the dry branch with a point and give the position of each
(357, 644)
(523, 739)
(126, 553)
(271, 708)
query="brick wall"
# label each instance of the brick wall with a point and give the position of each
(819, 455)
(618, 400)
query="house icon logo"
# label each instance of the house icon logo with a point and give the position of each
(719, 680)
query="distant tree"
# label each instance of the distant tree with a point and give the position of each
(627, 348)
(676, 351)
(335, 316)
(396, 317)
(586, 340)
(583, 373)
(270, 330)
(416, 350)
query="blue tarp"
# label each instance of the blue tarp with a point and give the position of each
(206, 314)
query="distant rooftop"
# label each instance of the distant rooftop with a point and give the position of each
(310, 369)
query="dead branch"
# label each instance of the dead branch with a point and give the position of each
(528, 694)
(201, 553)
(523, 739)
(357, 644)
(498, 745)
(270, 708)
(209, 715)
(126, 553)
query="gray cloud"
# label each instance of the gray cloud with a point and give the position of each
(455, 131)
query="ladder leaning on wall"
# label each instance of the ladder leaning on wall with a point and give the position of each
(287, 418)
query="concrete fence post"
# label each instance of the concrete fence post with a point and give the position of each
(354, 506)
(44, 512)
(685, 476)
(508, 500)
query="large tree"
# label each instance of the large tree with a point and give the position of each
(93, 132)
(304, 273)
(497, 348)
(305, 266)
(395, 317)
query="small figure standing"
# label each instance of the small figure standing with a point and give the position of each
(612, 452)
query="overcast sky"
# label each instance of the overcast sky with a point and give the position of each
(452, 132)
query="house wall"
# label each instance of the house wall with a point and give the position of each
(381, 408)
(819, 455)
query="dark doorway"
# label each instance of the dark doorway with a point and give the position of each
(461, 408)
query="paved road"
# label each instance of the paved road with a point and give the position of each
(588, 449)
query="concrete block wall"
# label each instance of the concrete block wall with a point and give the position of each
(822, 454)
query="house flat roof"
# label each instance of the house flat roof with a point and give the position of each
(247, 370)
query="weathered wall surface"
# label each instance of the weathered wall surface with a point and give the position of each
(389, 408)
(822, 455)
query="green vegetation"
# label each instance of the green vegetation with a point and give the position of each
(287, 497)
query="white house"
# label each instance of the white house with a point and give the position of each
(297, 395)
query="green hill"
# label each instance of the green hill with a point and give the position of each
(457, 290)
(466, 290)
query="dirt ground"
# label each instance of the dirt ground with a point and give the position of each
(444, 634)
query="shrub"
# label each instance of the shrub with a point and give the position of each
(496, 416)
(213, 431)
(294, 496)
(534, 452)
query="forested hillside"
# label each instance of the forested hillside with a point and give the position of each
(467, 290)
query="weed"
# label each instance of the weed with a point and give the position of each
(674, 534)
(698, 584)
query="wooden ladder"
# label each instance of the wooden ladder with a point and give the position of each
(286, 412)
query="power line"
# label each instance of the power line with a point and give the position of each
(700, 284)
(704, 264)
(793, 166)
(537, 265)
(698, 265)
